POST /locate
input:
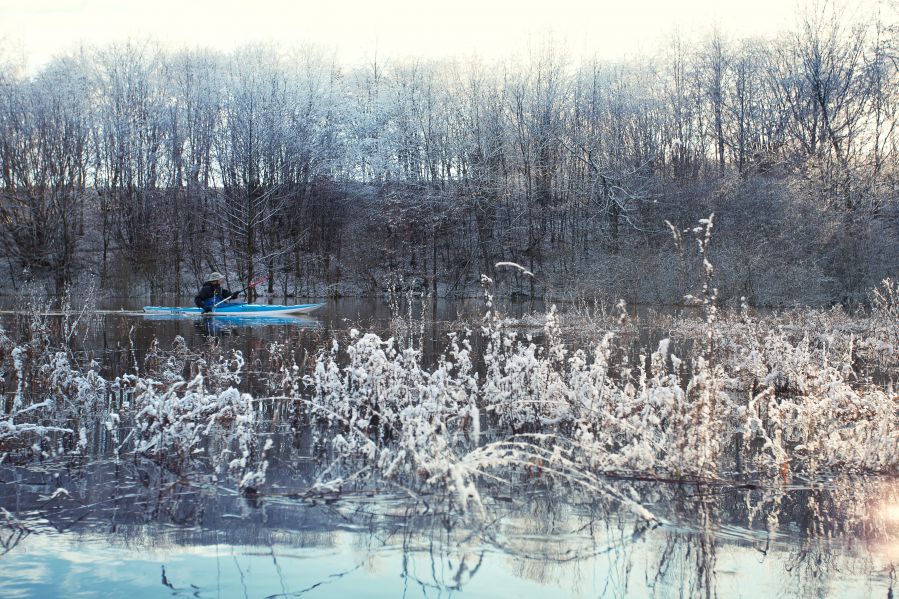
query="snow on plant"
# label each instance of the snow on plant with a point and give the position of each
(176, 419)
(809, 417)
(798, 400)
(58, 402)
(885, 300)
(522, 384)
(385, 414)
(167, 366)
(796, 389)
(786, 402)
(384, 409)
(869, 340)
(780, 403)
(647, 422)
(408, 424)
(284, 377)
(380, 384)
(55, 396)
(622, 419)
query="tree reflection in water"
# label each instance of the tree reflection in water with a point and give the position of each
(820, 539)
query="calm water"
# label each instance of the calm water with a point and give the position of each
(132, 528)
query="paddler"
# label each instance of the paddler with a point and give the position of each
(211, 293)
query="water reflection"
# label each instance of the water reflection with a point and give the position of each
(242, 321)
(220, 326)
(136, 528)
(132, 527)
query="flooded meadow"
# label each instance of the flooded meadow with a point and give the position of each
(428, 449)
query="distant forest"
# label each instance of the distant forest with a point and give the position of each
(145, 168)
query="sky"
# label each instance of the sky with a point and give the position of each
(40, 29)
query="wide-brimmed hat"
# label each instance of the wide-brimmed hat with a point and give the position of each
(215, 276)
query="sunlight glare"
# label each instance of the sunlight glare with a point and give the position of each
(392, 28)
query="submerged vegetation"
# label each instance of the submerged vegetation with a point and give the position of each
(756, 400)
(726, 397)
(722, 429)
(766, 421)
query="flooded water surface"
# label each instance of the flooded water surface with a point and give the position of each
(286, 514)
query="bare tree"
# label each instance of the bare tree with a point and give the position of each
(45, 134)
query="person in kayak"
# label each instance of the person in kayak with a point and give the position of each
(212, 293)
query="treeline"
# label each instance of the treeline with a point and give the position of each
(147, 168)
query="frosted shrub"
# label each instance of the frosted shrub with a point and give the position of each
(525, 384)
(168, 366)
(756, 399)
(380, 382)
(174, 418)
(885, 300)
(385, 410)
(798, 401)
(57, 403)
(651, 424)
(808, 417)
(54, 397)
(175, 421)
(284, 374)
(386, 413)
(621, 420)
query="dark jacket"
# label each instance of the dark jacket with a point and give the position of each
(210, 294)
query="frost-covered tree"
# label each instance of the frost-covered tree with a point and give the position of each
(335, 177)
(45, 132)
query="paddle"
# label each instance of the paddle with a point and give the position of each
(250, 286)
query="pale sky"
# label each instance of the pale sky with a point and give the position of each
(397, 28)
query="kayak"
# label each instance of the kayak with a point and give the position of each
(237, 309)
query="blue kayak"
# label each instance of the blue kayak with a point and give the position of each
(239, 309)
